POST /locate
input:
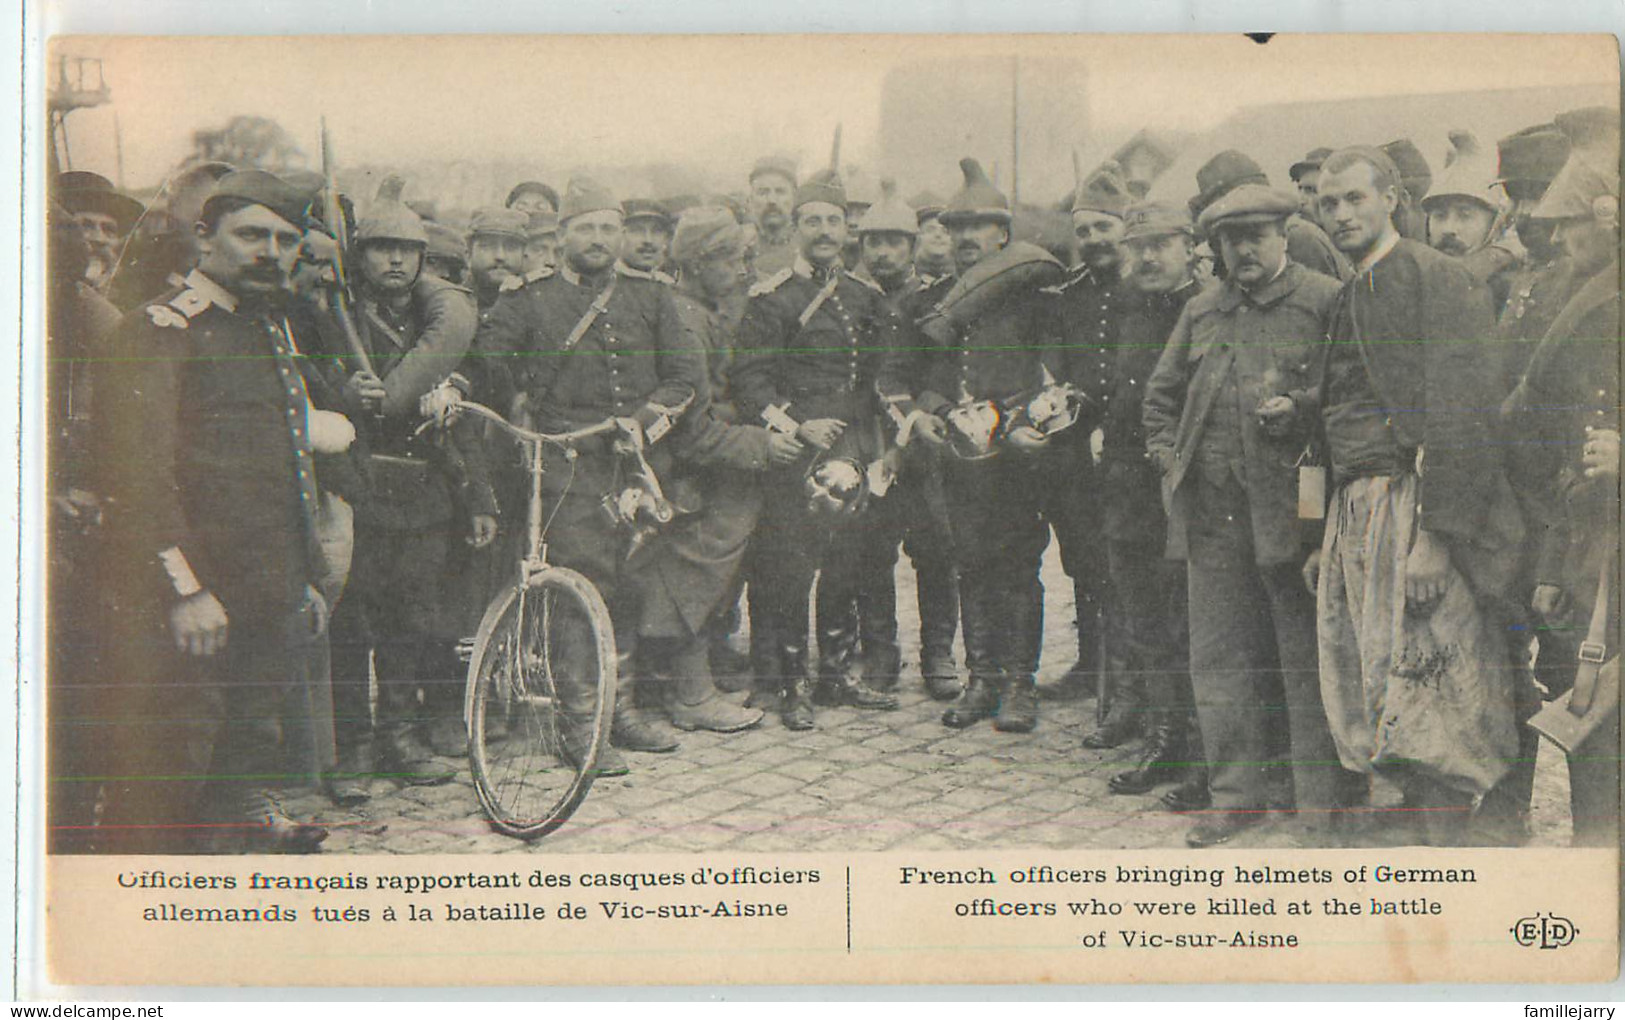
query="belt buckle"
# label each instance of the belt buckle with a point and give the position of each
(1593, 652)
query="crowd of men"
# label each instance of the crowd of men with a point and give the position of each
(1333, 471)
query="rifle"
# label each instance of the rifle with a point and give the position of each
(333, 213)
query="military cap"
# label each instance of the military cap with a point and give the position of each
(977, 200)
(1104, 191)
(646, 209)
(524, 188)
(489, 221)
(258, 187)
(1248, 203)
(446, 242)
(1469, 173)
(782, 166)
(1588, 184)
(823, 186)
(1415, 176)
(308, 181)
(1529, 159)
(928, 205)
(706, 232)
(1222, 174)
(82, 191)
(542, 223)
(1156, 219)
(1311, 161)
(889, 215)
(860, 193)
(585, 195)
(389, 219)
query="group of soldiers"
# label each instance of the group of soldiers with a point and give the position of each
(1326, 466)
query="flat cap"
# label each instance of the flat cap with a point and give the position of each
(490, 221)
(706, 232)
(1156, 219)
(1588, 184)
(446, 242)
(585, 195)
(646, 209)
(259, 187)
(782, 166)
(1311, 161)
(80, 191)
(1104, 191)
(823, 186)
(1248, 203)
(928, 205)
(977, 200)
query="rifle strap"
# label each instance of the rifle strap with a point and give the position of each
(1594, 649)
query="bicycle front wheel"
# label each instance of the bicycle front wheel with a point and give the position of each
(541, 699)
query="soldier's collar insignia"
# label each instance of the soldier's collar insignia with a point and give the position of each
(200, 293)
(866, 281)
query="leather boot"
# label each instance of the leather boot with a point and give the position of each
(1122, 722)
(267, 830)
(767, 668)
(976, 702)
(1192, 793)
(693, 700)
(938, 594)
(349, 782)
(609, 762)
(1081, 680)
(1018, 709)
(838, 679)
(796, 703)
(631, 729)
(1161, 761)
(877, 627)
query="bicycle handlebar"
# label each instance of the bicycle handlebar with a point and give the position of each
(558, 438)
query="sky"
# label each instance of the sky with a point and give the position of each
(718, 102)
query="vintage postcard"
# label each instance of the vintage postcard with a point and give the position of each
(809, 509)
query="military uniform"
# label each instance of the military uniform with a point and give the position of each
(633, 360)
(813, 344)
(202, 452)
(1087, 309)
(1149, 591)
(1003, 353)
(409, 595)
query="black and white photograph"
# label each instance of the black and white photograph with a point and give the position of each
(578, 445)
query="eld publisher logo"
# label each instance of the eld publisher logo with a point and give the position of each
(1544, 931)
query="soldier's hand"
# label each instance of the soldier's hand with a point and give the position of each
(821, 432)
(482, 530)
(1600, 455)
(1027, 439)
(1427, 572)
(1162, 458)
(440, 403)
(931, 429)
(630, 439)
(364, 393)
(198, 623)
(1276, 415)
(1311, 573)
(1548, 602)
(783, 450)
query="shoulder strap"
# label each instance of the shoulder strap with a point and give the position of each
(818, 299)
(1594, 649)
(600, 304)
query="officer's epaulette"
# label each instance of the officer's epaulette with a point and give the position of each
(872, 285)
(518, 282)
(771, 284)
(179, 310)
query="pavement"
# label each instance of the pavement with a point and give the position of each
(861, 781)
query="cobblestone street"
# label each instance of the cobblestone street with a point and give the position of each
(859, 781)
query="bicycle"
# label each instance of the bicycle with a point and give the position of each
(541, 682)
